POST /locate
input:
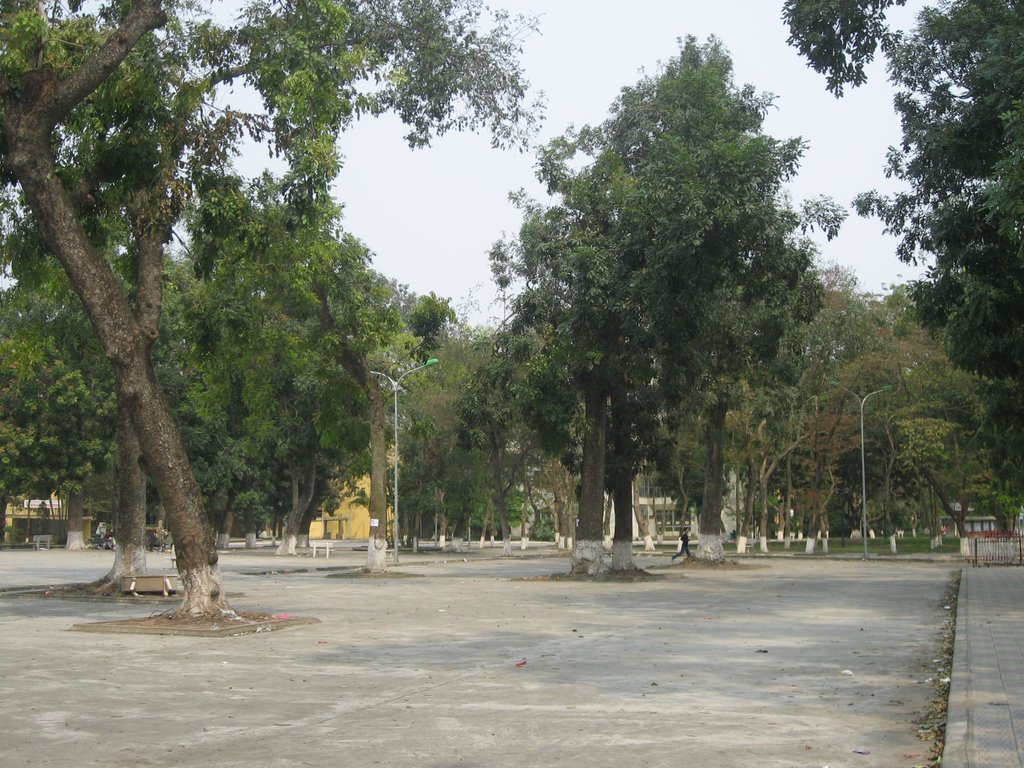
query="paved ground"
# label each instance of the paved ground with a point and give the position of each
(477, 662)
(986, 711)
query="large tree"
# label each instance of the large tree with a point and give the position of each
(97, 110)
(576, 307)
(725, 268)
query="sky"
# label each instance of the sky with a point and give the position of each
(431, 215)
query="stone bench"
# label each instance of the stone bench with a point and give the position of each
(42, 541)
(325, 545)
(165, 585)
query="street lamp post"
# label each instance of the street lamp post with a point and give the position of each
(863, 465)
(396, 385)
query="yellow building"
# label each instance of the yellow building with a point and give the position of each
(38, 516)
(351, 520)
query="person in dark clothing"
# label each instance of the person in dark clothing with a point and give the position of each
(684, 550)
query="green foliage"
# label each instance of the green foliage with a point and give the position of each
(959, 78)
(839, 37)
(56, 410)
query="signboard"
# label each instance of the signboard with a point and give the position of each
(40, 503)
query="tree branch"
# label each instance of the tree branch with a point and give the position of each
(144, 17)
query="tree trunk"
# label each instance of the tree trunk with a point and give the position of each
(76, 521)
(587, 554)
(643, 523)
(524, 526)
(227, 521)
(129, 506)
(787, 521)
(500, 489)
(959, 517)
(488, 518)
(710, 544)
(622, 539)
(303, 485)
(559, 519)
(765, 511)
(749, 499)
(377, 546)
(30, 115)
(442, 518)
(620, 466)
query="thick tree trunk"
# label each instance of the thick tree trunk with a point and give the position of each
(308, 516)
(76, 522)
(710, 543)
(129, 505)
(587, 554)
(622, 539)
(619, 468)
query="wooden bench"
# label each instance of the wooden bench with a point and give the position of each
(165, 585)
(42, 541)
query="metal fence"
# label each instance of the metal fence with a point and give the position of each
(994, 550)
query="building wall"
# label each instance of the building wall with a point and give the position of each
(350, 521)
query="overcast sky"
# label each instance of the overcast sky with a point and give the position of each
(431, 215)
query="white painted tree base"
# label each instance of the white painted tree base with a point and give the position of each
(287, 545)
(76, 541)
(250, 541)
(649, 543)
(223, 540)
(588, 557)
(622, 556)
(709, 547)
(376, 556)
(129, 560)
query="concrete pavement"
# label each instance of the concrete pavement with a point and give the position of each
(473, 660)
(985, 725)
